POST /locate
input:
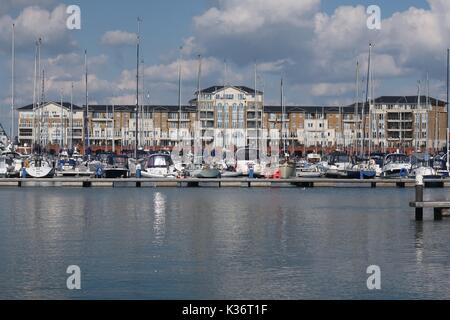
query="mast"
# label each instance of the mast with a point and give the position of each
(34, 95)
(282, 118)
(198, 87)
(367, 101)
(356, 116)
(113, 143)
(136, 146)
(199, 124)
(426, 114)
(71, 116)
(86, 118)
(257, 116)
(448, 110)
(142, 137)
(42, 104)
(418, 129)
(62, 119)
(13, 62)
(39, 94)
(179, 95)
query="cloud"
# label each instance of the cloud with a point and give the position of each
(243, 17)
(119, 38)
(8, 5)
(35, 22)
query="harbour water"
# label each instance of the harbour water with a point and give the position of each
(230, 243)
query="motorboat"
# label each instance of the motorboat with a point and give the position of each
(39, 167)
(308, 171)
(72, 165)
(338, 164)
(14, 163)
(363, 170)
(420, 166)
(248, 158)
(159, 165)
(396, 165)
(3, 167)
(116, 167)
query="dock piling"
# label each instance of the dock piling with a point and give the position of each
(419, 197)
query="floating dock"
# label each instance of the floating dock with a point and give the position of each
(220, 183)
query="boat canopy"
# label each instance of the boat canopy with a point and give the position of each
(396, 158)
(159, 161)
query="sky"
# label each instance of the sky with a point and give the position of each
(313, 44)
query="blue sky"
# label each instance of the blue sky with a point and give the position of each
(313, 44)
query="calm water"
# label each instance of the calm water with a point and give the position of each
(220, 244)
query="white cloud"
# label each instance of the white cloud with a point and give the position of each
(119, 38)
(237, 16)
(35, 22)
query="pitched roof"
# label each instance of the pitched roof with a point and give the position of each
(132, 108)
(65, 105)
(214, 89)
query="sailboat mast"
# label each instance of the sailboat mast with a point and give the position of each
(34, 95)
(282, 118)
(198, 87)
(448, 110)
(257, 114)
(86, 119)
(136, 146)
(42, 104)
(62, 123)
(39, 93)
(179, 95)
(427, 101)
(367, 100)
(356, 122)
(71, 116)
(418, 130)
(13, 62)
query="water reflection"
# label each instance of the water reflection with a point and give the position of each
(159, 222)
(418, 244)
(219, 244)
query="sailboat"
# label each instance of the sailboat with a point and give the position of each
(364, 168)
(37, 166)
(287, 166)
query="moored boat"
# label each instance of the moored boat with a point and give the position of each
(39, 167)
(396, 165)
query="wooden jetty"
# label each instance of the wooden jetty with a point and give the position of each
(223, 182)
(439, 207)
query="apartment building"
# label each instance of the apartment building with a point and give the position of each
(235, 116)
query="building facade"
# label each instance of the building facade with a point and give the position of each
(235, 116)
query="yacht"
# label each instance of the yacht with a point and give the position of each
(338, 164)
(309, 168)
(247, 158)
(3, 167)
(396, 165)
(39, 167)
(14, 163)
(116, 167)
(420, 166)
(159, 165)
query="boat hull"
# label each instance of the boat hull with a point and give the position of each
(361, 174)
(40, 172)
(115, 173)
(209, 174)
(287, 171)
